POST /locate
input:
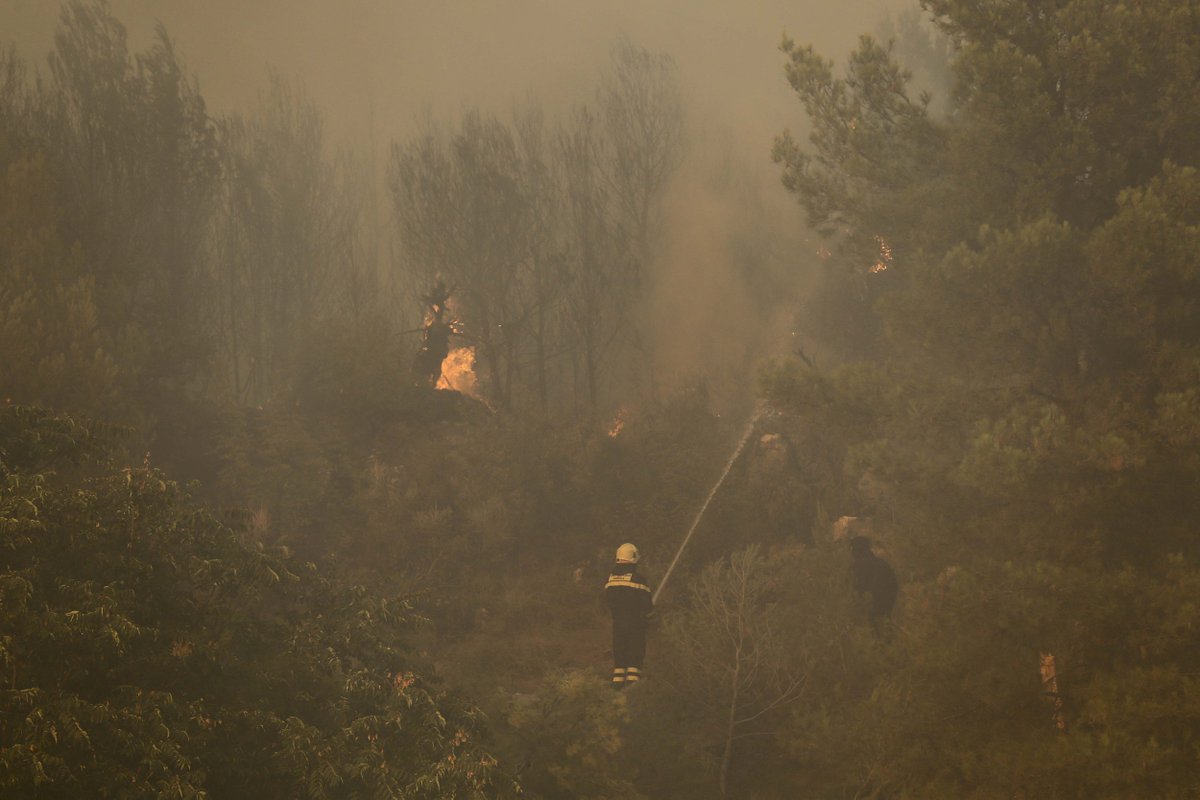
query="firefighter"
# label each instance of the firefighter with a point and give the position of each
(629, 600)
(874, 577)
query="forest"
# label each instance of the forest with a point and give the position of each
(247, 550)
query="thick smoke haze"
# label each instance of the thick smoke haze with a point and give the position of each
(377, 68)
(374, 372)
(391, 58)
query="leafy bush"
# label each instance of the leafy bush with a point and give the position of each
(146, 649)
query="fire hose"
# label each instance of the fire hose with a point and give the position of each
(741, 445)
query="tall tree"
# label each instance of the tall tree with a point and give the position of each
(734, 655)
(57, 353)
(1025, 432)
(135, 153)
(281, 235)
(640, 110)
(601, 275)
(546, 279)
(464, 213)
(640, 106)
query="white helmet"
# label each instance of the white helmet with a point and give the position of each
(627, 554)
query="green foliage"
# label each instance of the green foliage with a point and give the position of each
(875, 150)
(568, 737)
(49, 321)
(1029, 435)
(1064, 105)
(276, 466)
(135, 161)
(146, 649)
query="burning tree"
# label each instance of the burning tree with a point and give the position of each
(463, 211)
(436, 363)
(435, 335)
(547, 233)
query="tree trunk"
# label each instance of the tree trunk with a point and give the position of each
(730, 724)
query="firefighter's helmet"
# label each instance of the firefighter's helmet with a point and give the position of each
(627, 554)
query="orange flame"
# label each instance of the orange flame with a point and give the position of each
(885, 255)
(458, 372)
(618, 423)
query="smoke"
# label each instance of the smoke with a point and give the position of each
(733, 268)
(731, 259)
(703, 320)
(376, 63)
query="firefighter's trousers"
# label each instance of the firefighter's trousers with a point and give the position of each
(629, 650)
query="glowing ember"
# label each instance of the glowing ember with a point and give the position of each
(885, 255)
(618, 423)
(1050, 687)
(458, 372)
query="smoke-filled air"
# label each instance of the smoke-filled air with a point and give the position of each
(598, 399)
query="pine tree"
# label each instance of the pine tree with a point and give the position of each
(1031, 423)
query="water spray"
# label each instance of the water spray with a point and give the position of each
(737, 451)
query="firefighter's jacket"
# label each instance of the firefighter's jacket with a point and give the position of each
(628, 597)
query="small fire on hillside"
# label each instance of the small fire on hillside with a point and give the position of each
(618, 423)
(458, 372)
(885, 256)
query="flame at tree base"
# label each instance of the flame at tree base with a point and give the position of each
(458, 373)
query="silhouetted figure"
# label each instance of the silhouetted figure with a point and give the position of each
(873, 577)
(629, 599)
(435, 336)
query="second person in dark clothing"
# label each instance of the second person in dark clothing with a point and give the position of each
(629, 599)
(873, 577)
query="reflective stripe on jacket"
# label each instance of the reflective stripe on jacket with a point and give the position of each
(628, 596)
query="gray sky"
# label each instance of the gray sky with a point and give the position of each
(401, 57)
